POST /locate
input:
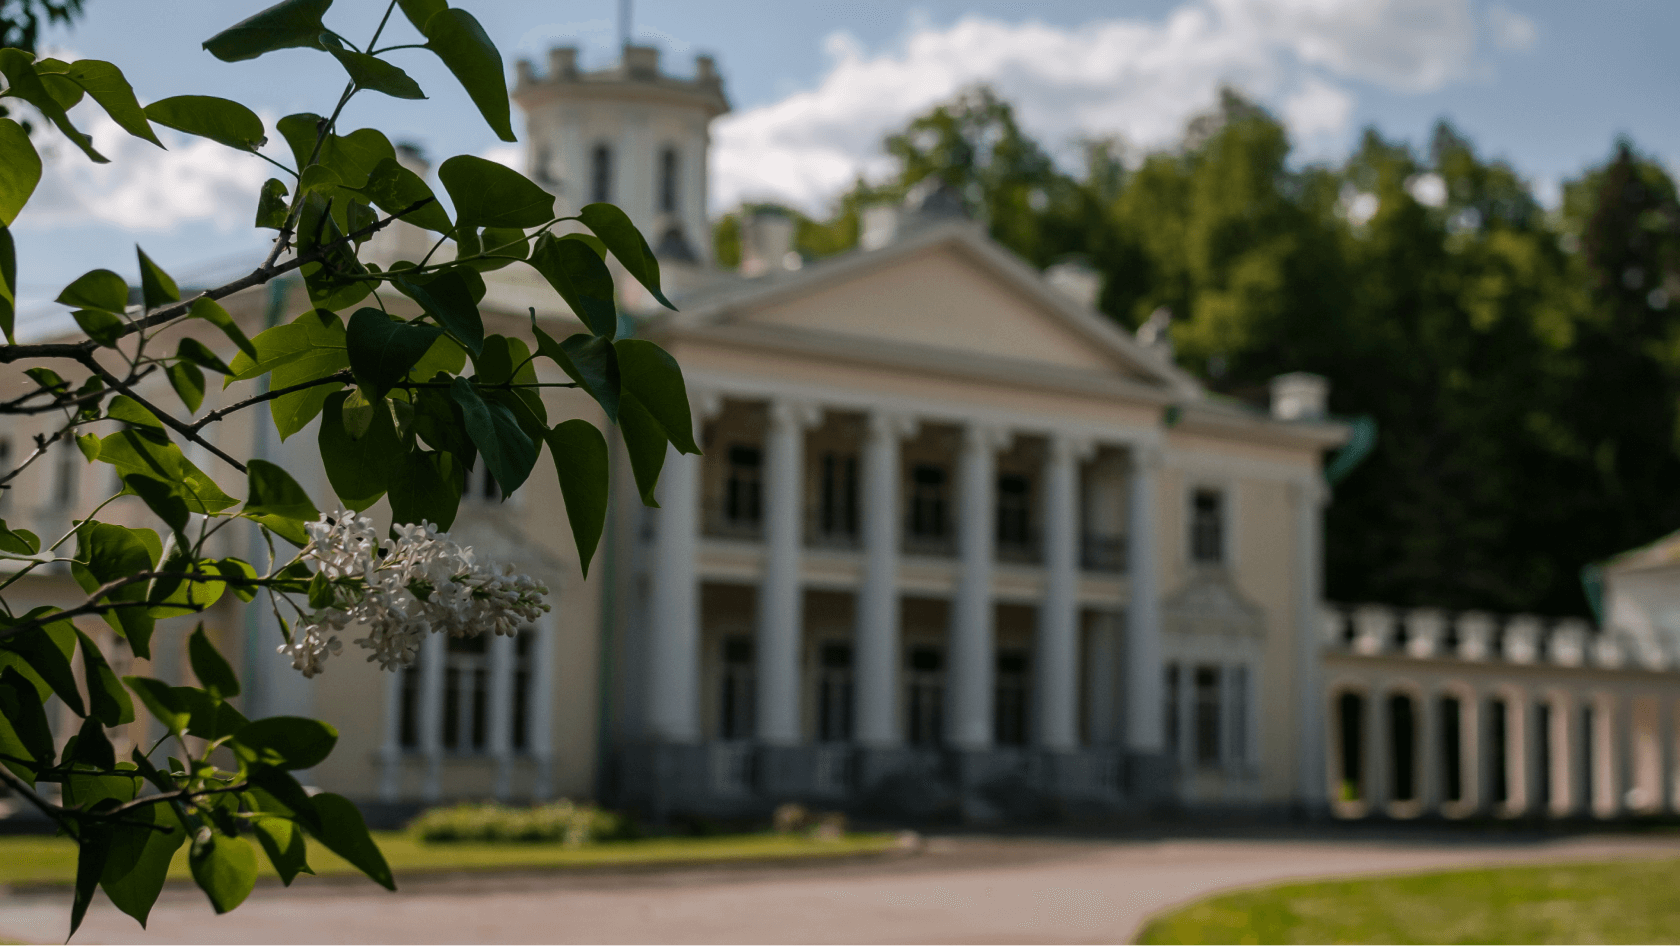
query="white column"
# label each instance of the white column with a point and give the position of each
(1143, 611)
(973, 654)
(673, 694)
(539, 727)
(877, 632)
(1428, 760)
(1309, 609)
(780, 623)
(433, 652)
(1377, 749)
(500, 700)
(1102, 709)
(1058, 616)
(390, 743)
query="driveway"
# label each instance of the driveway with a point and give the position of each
(973, 890)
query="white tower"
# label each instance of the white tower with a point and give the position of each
(627, 135)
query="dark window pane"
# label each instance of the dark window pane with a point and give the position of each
(1207, 527)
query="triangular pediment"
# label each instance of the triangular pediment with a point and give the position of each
(961, 294)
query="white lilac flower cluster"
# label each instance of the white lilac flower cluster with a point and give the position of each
(416, 584)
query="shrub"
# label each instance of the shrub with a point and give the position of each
(557, 822)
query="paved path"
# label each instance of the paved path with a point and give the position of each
(971, 890)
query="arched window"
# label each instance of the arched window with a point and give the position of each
(601, 174)
(668, 167)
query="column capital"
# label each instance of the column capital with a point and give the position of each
(985, 437)
(1147, 456)
(889, 425)
(795, 413)
(1075, 447)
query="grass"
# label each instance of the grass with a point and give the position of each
(1628, 902)
(49, 860)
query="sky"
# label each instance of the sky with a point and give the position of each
(815, 85)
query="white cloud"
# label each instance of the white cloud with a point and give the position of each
(512, 156)
(1510, 29)
(1138, 79)
(143, 187)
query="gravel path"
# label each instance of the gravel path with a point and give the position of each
(973, 890)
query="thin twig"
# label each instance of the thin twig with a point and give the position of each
(92, 364)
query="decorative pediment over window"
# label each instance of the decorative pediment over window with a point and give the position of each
(1211, 605)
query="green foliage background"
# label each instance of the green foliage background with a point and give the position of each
(1521, 365)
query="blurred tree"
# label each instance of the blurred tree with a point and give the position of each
(20, 26)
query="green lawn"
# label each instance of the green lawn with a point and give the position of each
(1637, 902)
(46, 860)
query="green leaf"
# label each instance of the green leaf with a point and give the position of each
(590, 361)
(92, 850)
(23, 82)
(614, 228)
(359, 469)
(419, 12)
(271, 204)
(645, 442)
(282, 841)
(106, 552)
(188, 382)
(199, 354)
(310, 347)
(272, 491)
(352, 157)
(438, 420)
(106, 84)
(278, 792)
(162, 499)
(345, 833)
(507, 451)
(465, 48)
(8, 274)
(139, 860)
(237, 572)
(20, 171)
(226, 870)
(156, 286)
(421, 492)
(334, 282)
(162, 702)
(211, 311)
(487, 194)
(211, 718)
(319, 177)
(383, 349)
(445, 355)
(46, 651)
(61, 87)
(137, 451)
(98, 289)
(371, 72)
(580, 459)
(285, 742)
(394, 188)
(649, 375)
(21, 541)
(109, 703)
(221, 120)
(506, 241)
(133, 413)
(24, 732)
(213, 671)
(285, 25)
(358, 413)
(448, 298)
(92, 748)
(102, 327)
(581, 279)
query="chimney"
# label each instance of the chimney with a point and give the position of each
(641, 62)
(525, 73)
(767, 243)
(878, 226)
(705, 70)
(1077, 281)
(562, 63)
(1300, 396)
(1155, 334)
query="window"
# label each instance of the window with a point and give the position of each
(1169, 715)
(1207, 527)
(1010, 700)
(834, 693)
(1498, 757)
(927, 501)
(1237, 681)
(926, 681)
(669, 167)
(1543, 752)
(5, 467)
(409, 713)
(66, 476)
(744, 489)
(1014, 506)
(1402, 748)
(482, 485)
(601, 174)
(1350, 727)
(1452, 756)
(1207, 715)
(736, 704)
(524, 648)
(466, 694)
(839, 495)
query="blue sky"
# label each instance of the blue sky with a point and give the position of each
(815, 84)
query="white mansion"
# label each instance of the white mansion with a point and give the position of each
(958, 545)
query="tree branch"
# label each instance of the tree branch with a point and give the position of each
(92, 364)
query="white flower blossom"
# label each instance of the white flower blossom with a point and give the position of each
(418, 583)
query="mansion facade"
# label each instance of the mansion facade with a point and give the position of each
(958, 546)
